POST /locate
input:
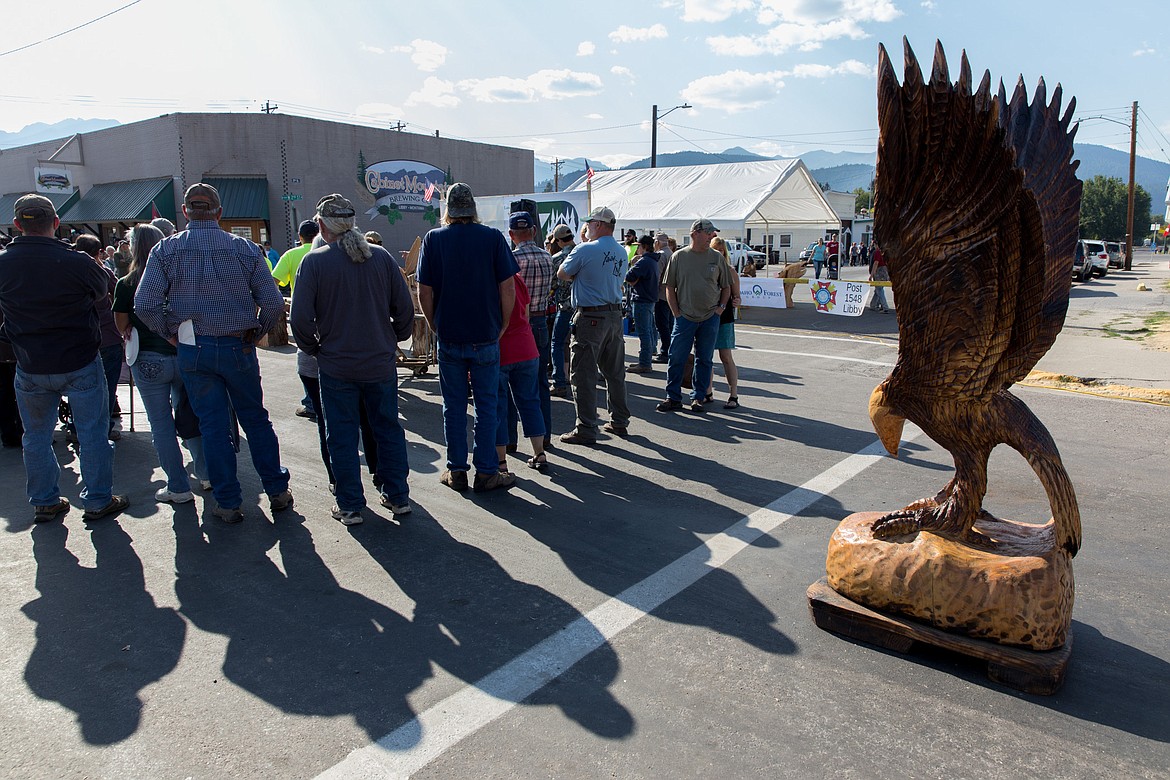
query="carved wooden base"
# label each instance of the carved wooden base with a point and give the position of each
(1016, 589)
(1025, 670)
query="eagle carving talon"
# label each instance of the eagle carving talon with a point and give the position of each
(900, 523)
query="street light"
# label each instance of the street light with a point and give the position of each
(654, 117)
(1129, 237)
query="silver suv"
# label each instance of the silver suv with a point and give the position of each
(1096, 256)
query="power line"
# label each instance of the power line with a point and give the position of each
(71, 29)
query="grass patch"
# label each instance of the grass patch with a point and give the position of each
(1157, 319)
(1122, 329)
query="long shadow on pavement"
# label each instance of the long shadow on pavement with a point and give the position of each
(100, 638)
(471, 616)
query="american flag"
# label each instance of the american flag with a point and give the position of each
(588, 171)
(430, 191)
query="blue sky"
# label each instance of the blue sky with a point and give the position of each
(577, 79)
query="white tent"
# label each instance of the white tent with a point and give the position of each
(769, 197)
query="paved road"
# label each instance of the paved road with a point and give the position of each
(637, 612)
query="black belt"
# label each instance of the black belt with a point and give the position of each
(603, 307)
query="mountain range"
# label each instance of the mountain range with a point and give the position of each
(846, 171)
(841, 171)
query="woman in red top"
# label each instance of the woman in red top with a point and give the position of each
(518, 374)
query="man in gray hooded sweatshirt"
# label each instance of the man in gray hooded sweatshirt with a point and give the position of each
(351, 309)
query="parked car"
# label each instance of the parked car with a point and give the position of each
(1082, 269)
(806, 253)
(1097, 256)
(1116, 254)
(740, 254)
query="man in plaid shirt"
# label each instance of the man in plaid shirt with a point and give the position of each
(537, 272)
(202, 289)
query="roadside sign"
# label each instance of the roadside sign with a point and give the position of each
(291, 197)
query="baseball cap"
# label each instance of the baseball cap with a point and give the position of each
(33, 207)
(562, 231)
(519, 220)
(308, 228)
(202, 196)
(703, 225)
(374, 237)
(336, 206)
(460, 201)
(602, 214)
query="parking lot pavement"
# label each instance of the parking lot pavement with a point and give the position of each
(638, 611)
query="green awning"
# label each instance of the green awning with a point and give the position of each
(61, 201)
(124, 201)
(242, 197)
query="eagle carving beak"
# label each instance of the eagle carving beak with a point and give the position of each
(887, 424)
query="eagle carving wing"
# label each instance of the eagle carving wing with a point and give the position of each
(976, 211)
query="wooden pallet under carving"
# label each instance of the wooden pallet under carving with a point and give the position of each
(1025, 670)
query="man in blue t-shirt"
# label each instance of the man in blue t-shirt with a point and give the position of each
(466, 291)
(597, 269)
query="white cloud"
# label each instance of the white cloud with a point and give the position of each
(1144, 52)
(734, 91)
(805, 25)
(768, 149)
(618, 160)
(544, 84)
(434, 92)
(739, 90)
(585, 48)
(846, 68)
(594, 116)
(426, 55)
(929, 5)
(378, 111)
(371, 49)
(713, 10)
(623, 72)
(537, 145)
(626, 34)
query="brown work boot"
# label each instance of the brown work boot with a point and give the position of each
(486, 482)
(456, 480)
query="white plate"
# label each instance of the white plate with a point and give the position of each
(132, 347)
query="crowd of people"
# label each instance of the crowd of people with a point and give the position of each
(516, 324)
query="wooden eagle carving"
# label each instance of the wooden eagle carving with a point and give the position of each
(976, 210)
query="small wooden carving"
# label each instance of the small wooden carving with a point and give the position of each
(976, 211)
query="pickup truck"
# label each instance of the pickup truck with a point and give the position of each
(740, 253)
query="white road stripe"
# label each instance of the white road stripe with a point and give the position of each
(816, 355)
(893, 344)
(415, 744)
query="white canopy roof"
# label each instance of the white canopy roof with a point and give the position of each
(766, 195)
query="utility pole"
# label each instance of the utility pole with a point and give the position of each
(557, 163)
(1129, 212)
(268, 108)
(397, 126)
(654, 117)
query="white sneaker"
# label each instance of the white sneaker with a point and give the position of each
(163, 494)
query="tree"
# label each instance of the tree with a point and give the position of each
(864, 199)
(1104, 202)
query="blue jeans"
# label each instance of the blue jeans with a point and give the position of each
(879, 298)
(539, 326)
(38, 396)
(687, 334)
(664, 321)
(159, 384)
(644, 322)
(221, 374)
(560, 339)
(544, 346)
(342, 402)
(482, 363)
(518, 386)
(112, 359)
